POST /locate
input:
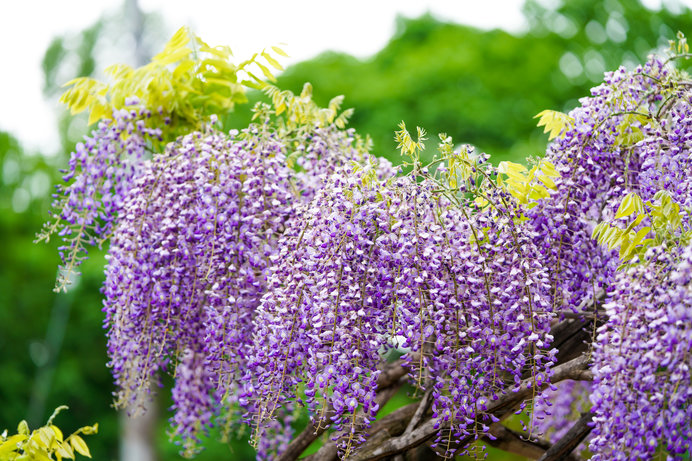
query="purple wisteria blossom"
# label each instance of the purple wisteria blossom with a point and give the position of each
(268, 272)
(375, 265)
(632, 136)
(98, 180)
(186, 263)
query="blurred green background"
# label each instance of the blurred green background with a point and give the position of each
(481, 87)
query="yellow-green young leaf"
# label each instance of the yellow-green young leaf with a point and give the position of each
(65, 450)
(555, 122)
(169, 57)
(57, 433)
(595, 234)
(46, 436)
(279, 51)
(182, 68)
(547, 180)
(23, 428)
(306, 92)
(220, 52)
(34, 456)
(511, 169)
(548, 169)
(625, 245)
(178, 40)
(98, 112)
(79, 445)
(335, 102)
(265, 70)
(481, 202)
(629, 138)
(220, 81)
(638, 220)
(256, 78)
(639, 236)
(10, 445)
(632, 203)
(609, 237)
(272, 61)
(89, 430)
(342, 120)
(538, 192)
(118, 71)
(629, 129)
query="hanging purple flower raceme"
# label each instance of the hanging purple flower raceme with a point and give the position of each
(186, 266)
(632, 136)
(562, 406)
(98, 179)
(327, 151)
(267, 273)
(642, 393)
(194, 403)
(492, 318)
(276, 435)
(372, 265)
(324, 318)
(598, 168)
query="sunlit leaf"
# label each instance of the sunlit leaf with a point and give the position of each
(279, 51)
(272, 61)
(555, 122)
(79, 445)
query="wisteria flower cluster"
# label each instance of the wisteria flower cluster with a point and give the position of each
(642, 386)
(632, 137)
(269, 271)
(371, 266)
(100, 173)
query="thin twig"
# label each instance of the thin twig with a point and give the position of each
(567, 444)
(501, 408)
(389, 378)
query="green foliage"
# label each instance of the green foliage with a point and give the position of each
(630, 129)
(295, 116)
(527, 186)
(555, 122)
(651, 224)
(407, 146)
(45, 443)
(679, 46)
(456, 78)
(182, 86)
(53, 347)
(437, 74)
(483, 87)
(301, 112)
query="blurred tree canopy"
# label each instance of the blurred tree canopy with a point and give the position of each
(484, 87)
(481, 87)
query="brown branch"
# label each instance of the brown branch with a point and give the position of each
(514, 442)
(567, 444)
(420, 411)
(510, 441)
(391, 373)
(577, 315)
(302, 441)
(501, 408)
(423, 406)
(571, 337)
